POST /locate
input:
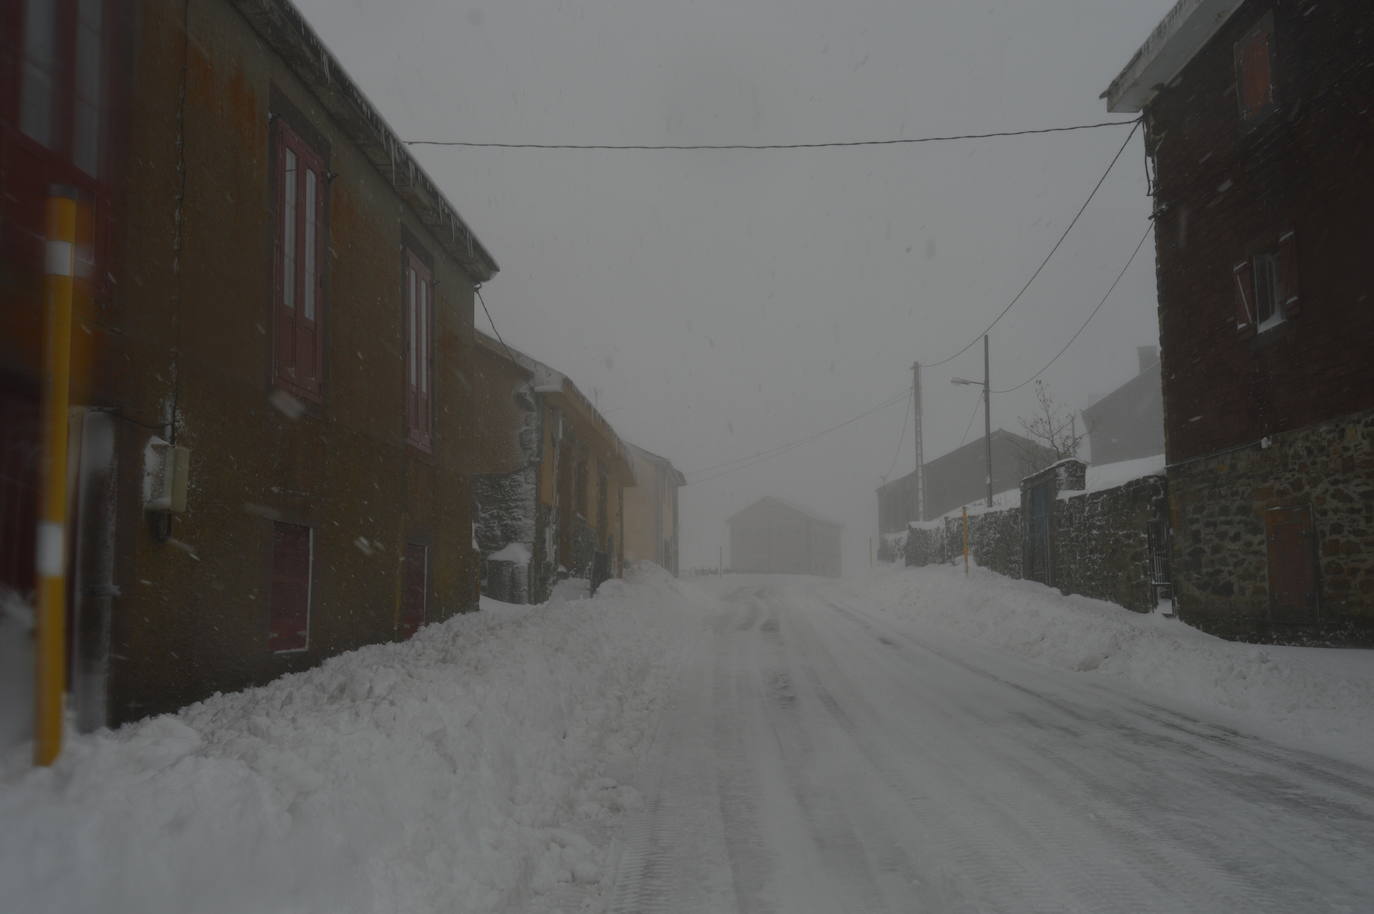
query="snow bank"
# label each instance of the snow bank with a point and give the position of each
(446, 773)
(512, 552)
(1313, 698)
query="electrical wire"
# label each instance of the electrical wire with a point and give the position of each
(650, 147)
(906, 419)
(1083, 326)
(1038, 270)
(971, 416)
(478, 289)
(740, 463)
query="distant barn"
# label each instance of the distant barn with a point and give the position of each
(773, 536)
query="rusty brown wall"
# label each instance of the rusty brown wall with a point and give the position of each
(193, 320)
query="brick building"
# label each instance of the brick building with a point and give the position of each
(1258, 128)
(280, 294)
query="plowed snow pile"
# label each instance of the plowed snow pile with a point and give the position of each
(437, 774)
(1313, 698)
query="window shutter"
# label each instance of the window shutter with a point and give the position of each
(1288, 273)
(1245, 293)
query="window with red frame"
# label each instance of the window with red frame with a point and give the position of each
(414, 589)
(298, 338)
(419, 346)
(55, 51)
(57, 84)
(293, 547)
(1254, 71)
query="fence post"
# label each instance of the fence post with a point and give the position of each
(965, 540)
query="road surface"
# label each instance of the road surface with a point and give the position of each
(818, 755)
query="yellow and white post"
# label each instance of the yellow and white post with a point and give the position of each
(965, 540)
(51, 552)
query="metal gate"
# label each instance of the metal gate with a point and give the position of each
(1039, 562)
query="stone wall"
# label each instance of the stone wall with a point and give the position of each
(1220, 549)
(1102, 542)
(994, 541)
(1099, 540)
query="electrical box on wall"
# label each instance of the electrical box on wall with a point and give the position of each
(166, 473)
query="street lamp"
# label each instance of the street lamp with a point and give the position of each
(987, 413)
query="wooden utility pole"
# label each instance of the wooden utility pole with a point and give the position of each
(987, 416)
(920, 478)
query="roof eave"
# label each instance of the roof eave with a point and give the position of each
(284, 29)
(1180, 35)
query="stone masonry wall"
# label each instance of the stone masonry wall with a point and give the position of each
(1220, 549)
(1102, 544)
(1101, 539)
(994, 541)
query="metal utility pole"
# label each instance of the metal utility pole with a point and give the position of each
(920, 477)
(987, 415)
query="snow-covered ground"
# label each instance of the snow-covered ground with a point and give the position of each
(1318, 698)
(909, 740)
(459, 771)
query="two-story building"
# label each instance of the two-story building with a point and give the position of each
(270, 452)
(1257, 125)
(549, 478)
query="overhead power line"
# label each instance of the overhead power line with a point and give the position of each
(1083, 326)
(1038, 270)
(740, 463)
(478, 289)
(833, 144)
(971, 416)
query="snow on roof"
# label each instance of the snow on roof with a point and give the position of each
(1111, 475)
(1183, 32)
(673, 472)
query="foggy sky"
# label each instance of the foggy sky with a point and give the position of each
(721, 303)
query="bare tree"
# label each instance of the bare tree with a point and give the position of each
(1053, 429)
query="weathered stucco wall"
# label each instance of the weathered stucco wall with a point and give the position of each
(192, 359)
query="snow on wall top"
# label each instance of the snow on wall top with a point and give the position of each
(1175, 41)
(1099, 478)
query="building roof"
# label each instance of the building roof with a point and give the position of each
(674, 473)
(282, 27)
(971, 451)
(788, 505)
(1183, 32)
(559, 388)
(1129, 419)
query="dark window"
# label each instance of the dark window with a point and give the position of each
(298, 342)
(1268, 310)
(1267, 285)
(292, 556)
(1254, 71)
(419, 348)
(1292, 564)
(580, 493)
(61, 71)
(414, 588)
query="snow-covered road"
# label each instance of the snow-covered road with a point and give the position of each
(818, 753)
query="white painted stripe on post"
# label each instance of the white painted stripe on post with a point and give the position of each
(50, 552)
(61, 260)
